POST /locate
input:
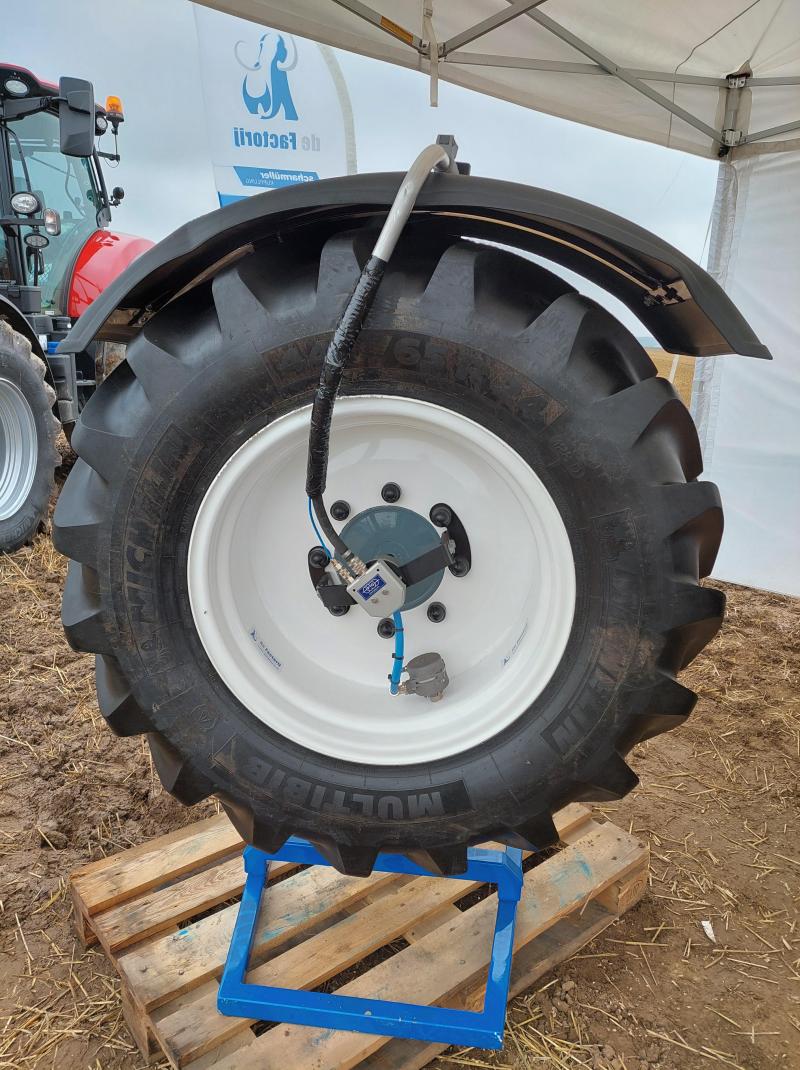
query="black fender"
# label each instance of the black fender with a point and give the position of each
(679, 303)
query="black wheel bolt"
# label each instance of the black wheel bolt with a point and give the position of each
(436, 612)
(340, 510)
(390, 492)
(338, 611)
(460, 567)
(441, 516)
(386, 628)
(317, 557)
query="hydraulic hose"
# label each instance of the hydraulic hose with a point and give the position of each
(340, 348)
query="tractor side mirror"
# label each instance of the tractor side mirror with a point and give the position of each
(76, 116)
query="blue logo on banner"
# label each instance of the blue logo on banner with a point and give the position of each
(272, 177)
(265, 87)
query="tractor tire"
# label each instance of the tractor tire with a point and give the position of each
(505, 360)
(28, 432)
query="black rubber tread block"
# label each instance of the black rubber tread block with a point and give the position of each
(576, 334)
(240, 816)
(697, 614)
(533, 834)
(267, 837)
(512, 290)
(609, 779)
(240, 313)
(440, 861)
(102, 450)
(281, 277)
(666, 706)
(79, 513)
(650, 421)
(342, 260)
(187, 329)
(122, 712)
(627, 414)
(693, 513)
(161, 375)
(352, 860)
(452, 282)
(110, 425)
(176, 773)
(81, 614)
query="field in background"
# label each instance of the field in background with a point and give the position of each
(679, 371)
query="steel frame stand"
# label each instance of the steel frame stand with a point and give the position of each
(482, 1029)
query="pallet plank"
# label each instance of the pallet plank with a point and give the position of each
(155, 911)
(108, 881)
(429, 971)
(180, 961)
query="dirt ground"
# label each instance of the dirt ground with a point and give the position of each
(703, 971)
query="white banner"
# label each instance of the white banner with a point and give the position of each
(276, 106)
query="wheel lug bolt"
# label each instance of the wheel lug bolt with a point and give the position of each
(460, 567)
(340, 510)
(441, 516)
(317, 557)
(386, 628)
(338, 611)
(436, 612)
(390, 492)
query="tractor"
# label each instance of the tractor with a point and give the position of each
(57, 255)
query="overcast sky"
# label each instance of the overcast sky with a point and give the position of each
(146, 53)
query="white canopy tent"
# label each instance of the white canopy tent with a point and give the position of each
(719, 78)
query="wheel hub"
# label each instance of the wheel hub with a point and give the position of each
(398, 535)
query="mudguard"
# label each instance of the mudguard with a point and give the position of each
(684, 309)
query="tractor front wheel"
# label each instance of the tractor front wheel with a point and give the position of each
(28, 432)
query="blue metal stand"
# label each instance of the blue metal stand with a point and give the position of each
(481, 1029)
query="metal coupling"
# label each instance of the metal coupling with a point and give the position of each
(427, 676)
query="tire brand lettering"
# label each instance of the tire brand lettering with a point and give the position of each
(291, 790)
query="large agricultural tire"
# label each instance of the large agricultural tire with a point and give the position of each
(28, 432)
(494, 346)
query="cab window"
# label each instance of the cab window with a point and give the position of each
(65, 183)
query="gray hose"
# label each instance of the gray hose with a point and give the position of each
(340, 348)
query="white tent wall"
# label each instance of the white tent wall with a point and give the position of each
(748, 412)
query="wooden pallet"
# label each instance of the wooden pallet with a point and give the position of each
(163, 913)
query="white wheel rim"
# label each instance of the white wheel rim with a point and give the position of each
(321, 681)
(18, 449)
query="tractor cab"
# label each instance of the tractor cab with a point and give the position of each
(56, 253)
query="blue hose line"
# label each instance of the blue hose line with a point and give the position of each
(399, 650)
(317, 531)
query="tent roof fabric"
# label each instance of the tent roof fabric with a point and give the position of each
(656, 72)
